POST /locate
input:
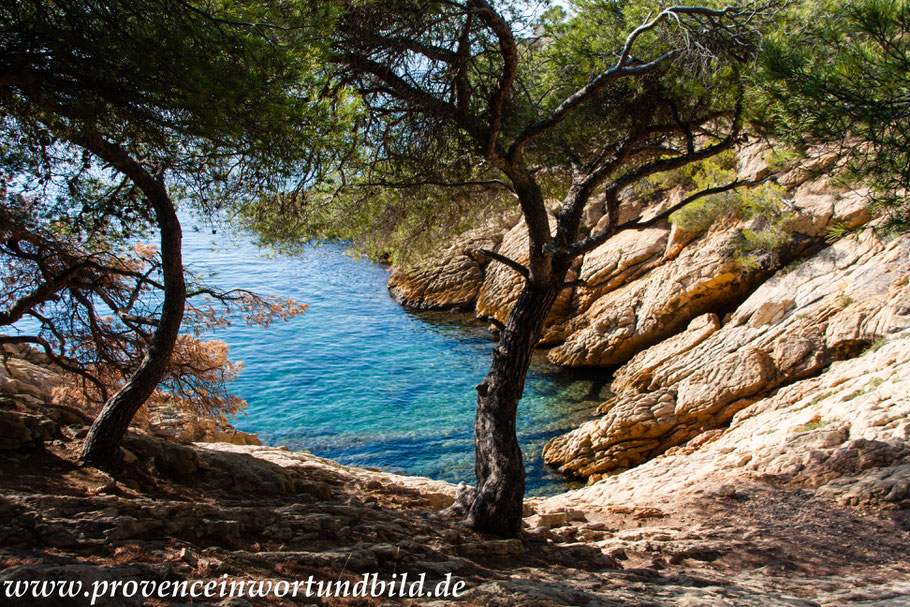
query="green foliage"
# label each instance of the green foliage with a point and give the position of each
(815, 424)
(389, 225)
(854, 394)
(573, 51)
(208, 95)
(415, 136)
(875, 382)
(781, 158)
(819, 398)
(762, 201)
(838, 73)
(756, 244)
(104, 105)
(761, 206)
(837, 230)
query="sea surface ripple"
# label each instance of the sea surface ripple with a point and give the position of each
(361, 380)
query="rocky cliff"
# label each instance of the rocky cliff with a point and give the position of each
(697, 333)
(754, 405)
(642, 286)
(833, 306)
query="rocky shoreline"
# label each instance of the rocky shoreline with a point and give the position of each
(812, 518)
(694, 335)
(755, 451)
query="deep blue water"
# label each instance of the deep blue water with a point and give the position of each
(361, 380)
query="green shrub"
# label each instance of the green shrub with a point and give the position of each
(818, 398)
(875, 382)
(701, 215)
(781, 158)
(815, 424)
(762, 201)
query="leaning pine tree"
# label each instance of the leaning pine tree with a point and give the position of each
(465, 105)
(838, 75)
(112, 111)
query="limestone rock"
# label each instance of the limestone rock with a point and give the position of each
(637, 373)
(13, 431)
(185, 427)
(618, 261)
(793, 326)
(278, 471)
(751, 161)
(167, 457)
(18, 429)
(814, 204)
(738, 375)
(639, 314)
(25, 372)
(692, 527)
(502, 285)
(770, 312)
(852, 208)
(844, 433)
(452, 280)
(640, 287)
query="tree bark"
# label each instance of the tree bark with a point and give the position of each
(103, 441)
(497, 503)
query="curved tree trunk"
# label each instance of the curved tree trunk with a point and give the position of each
(103, 441)
(496, 505)
(497, 500)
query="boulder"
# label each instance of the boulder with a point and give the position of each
(168, 458)
(13, 431)
(638, 372)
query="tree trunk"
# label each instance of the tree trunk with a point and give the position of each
(497, 505)
(103, 441)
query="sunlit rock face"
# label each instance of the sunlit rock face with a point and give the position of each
(831, 307)
(453, 279)
(696, 334)
(641, 286)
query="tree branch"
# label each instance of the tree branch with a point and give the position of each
(58, 360)
(623, 67)
(396, 83)
(509, 70)
(444, 184)
(508, 261)
(430, 51)
(595, 240)
(460, 78)
(42, 293)
(581, 95)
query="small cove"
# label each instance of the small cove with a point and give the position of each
(360, 380)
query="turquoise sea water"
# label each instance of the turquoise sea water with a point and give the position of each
(361, 380)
